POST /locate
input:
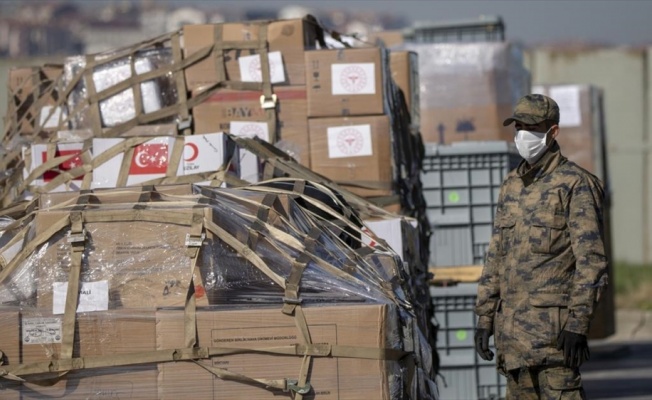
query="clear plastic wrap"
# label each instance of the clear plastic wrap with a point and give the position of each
(470, 74)
(136, 276)
(119, 108)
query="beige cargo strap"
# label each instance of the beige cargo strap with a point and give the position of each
(292, 307)
(261, 219)
(367, 184)
(244, 251)
(77, 240)
(22, 371)
(194, 241)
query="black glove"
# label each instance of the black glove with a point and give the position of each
(575, 347)
(482, 344)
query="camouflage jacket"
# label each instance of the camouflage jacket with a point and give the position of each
(546, 265)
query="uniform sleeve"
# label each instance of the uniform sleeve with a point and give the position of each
(586, 227)
(489, 285)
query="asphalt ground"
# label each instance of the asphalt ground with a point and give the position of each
(621, 365)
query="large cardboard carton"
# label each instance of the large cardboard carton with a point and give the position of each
(581, 136)
(353, 151)
(388, 38)
(288, 39)
(345, 82)
(32, 336)
(468, 89)
(330, 378)
(404, 66)
(240, 113)
(129, 263)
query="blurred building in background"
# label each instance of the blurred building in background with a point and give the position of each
(50, 28)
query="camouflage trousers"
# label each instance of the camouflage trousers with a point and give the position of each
(545, 383)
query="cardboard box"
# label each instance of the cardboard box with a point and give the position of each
(389, 38)
(345, 82)
(36, 337)
(581, 136)
(289, 38)
(395, 231)
(468, 89)
(480, 123)
(127, 264)
(39, 154)
(330, 378)
(150, 160)
(241, 114)
(27, 102)
(404, 66)
(353, 150)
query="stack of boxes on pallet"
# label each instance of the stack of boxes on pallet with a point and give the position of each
(466, 91)
(121, 277)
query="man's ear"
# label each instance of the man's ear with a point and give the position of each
(554, 131)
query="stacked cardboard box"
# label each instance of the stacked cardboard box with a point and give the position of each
(582, 135)
(241, 111)
(468, 89)
(350, 129)
(138, 298)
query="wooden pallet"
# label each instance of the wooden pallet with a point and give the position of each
(455, 274)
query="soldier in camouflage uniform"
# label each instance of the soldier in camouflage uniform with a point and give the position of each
(545, 266)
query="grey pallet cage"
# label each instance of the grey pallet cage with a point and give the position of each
(483, 29)
(464, 375)
(461, 183)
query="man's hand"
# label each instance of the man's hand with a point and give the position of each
(575, 347)
(482, 344)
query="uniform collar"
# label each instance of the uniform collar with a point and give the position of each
(548, 162)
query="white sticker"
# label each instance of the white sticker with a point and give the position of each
(349, 141)
(41, 330)
(389, 230)
(250, 70)
(353, 78)
(568, 100)
(249, 161)
(203, 153)
(93, 296)
(250, 129)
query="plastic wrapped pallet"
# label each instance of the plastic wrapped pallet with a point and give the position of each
(130, 300)
(468, 89)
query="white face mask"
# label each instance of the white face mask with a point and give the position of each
(531, 145)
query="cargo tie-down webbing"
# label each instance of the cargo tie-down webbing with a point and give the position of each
(306, 350)
(125, 147)
(340, 220)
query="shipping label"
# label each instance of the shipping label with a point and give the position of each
(40, 330)
(349, 141)
(93, 296)
(250, 70)
(568, 100)
(352, 79)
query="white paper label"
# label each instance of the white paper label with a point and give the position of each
(353, 78)
(388, 230)
(41, 330)
(250, 70)
(203, 153)
(93, 296)
(568, 99)
(349, 141)
(537, 89)
(248, 160)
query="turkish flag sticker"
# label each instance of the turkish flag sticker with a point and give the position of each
(67, 165)
(150, 158)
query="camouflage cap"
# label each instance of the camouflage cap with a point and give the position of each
(533, 109)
